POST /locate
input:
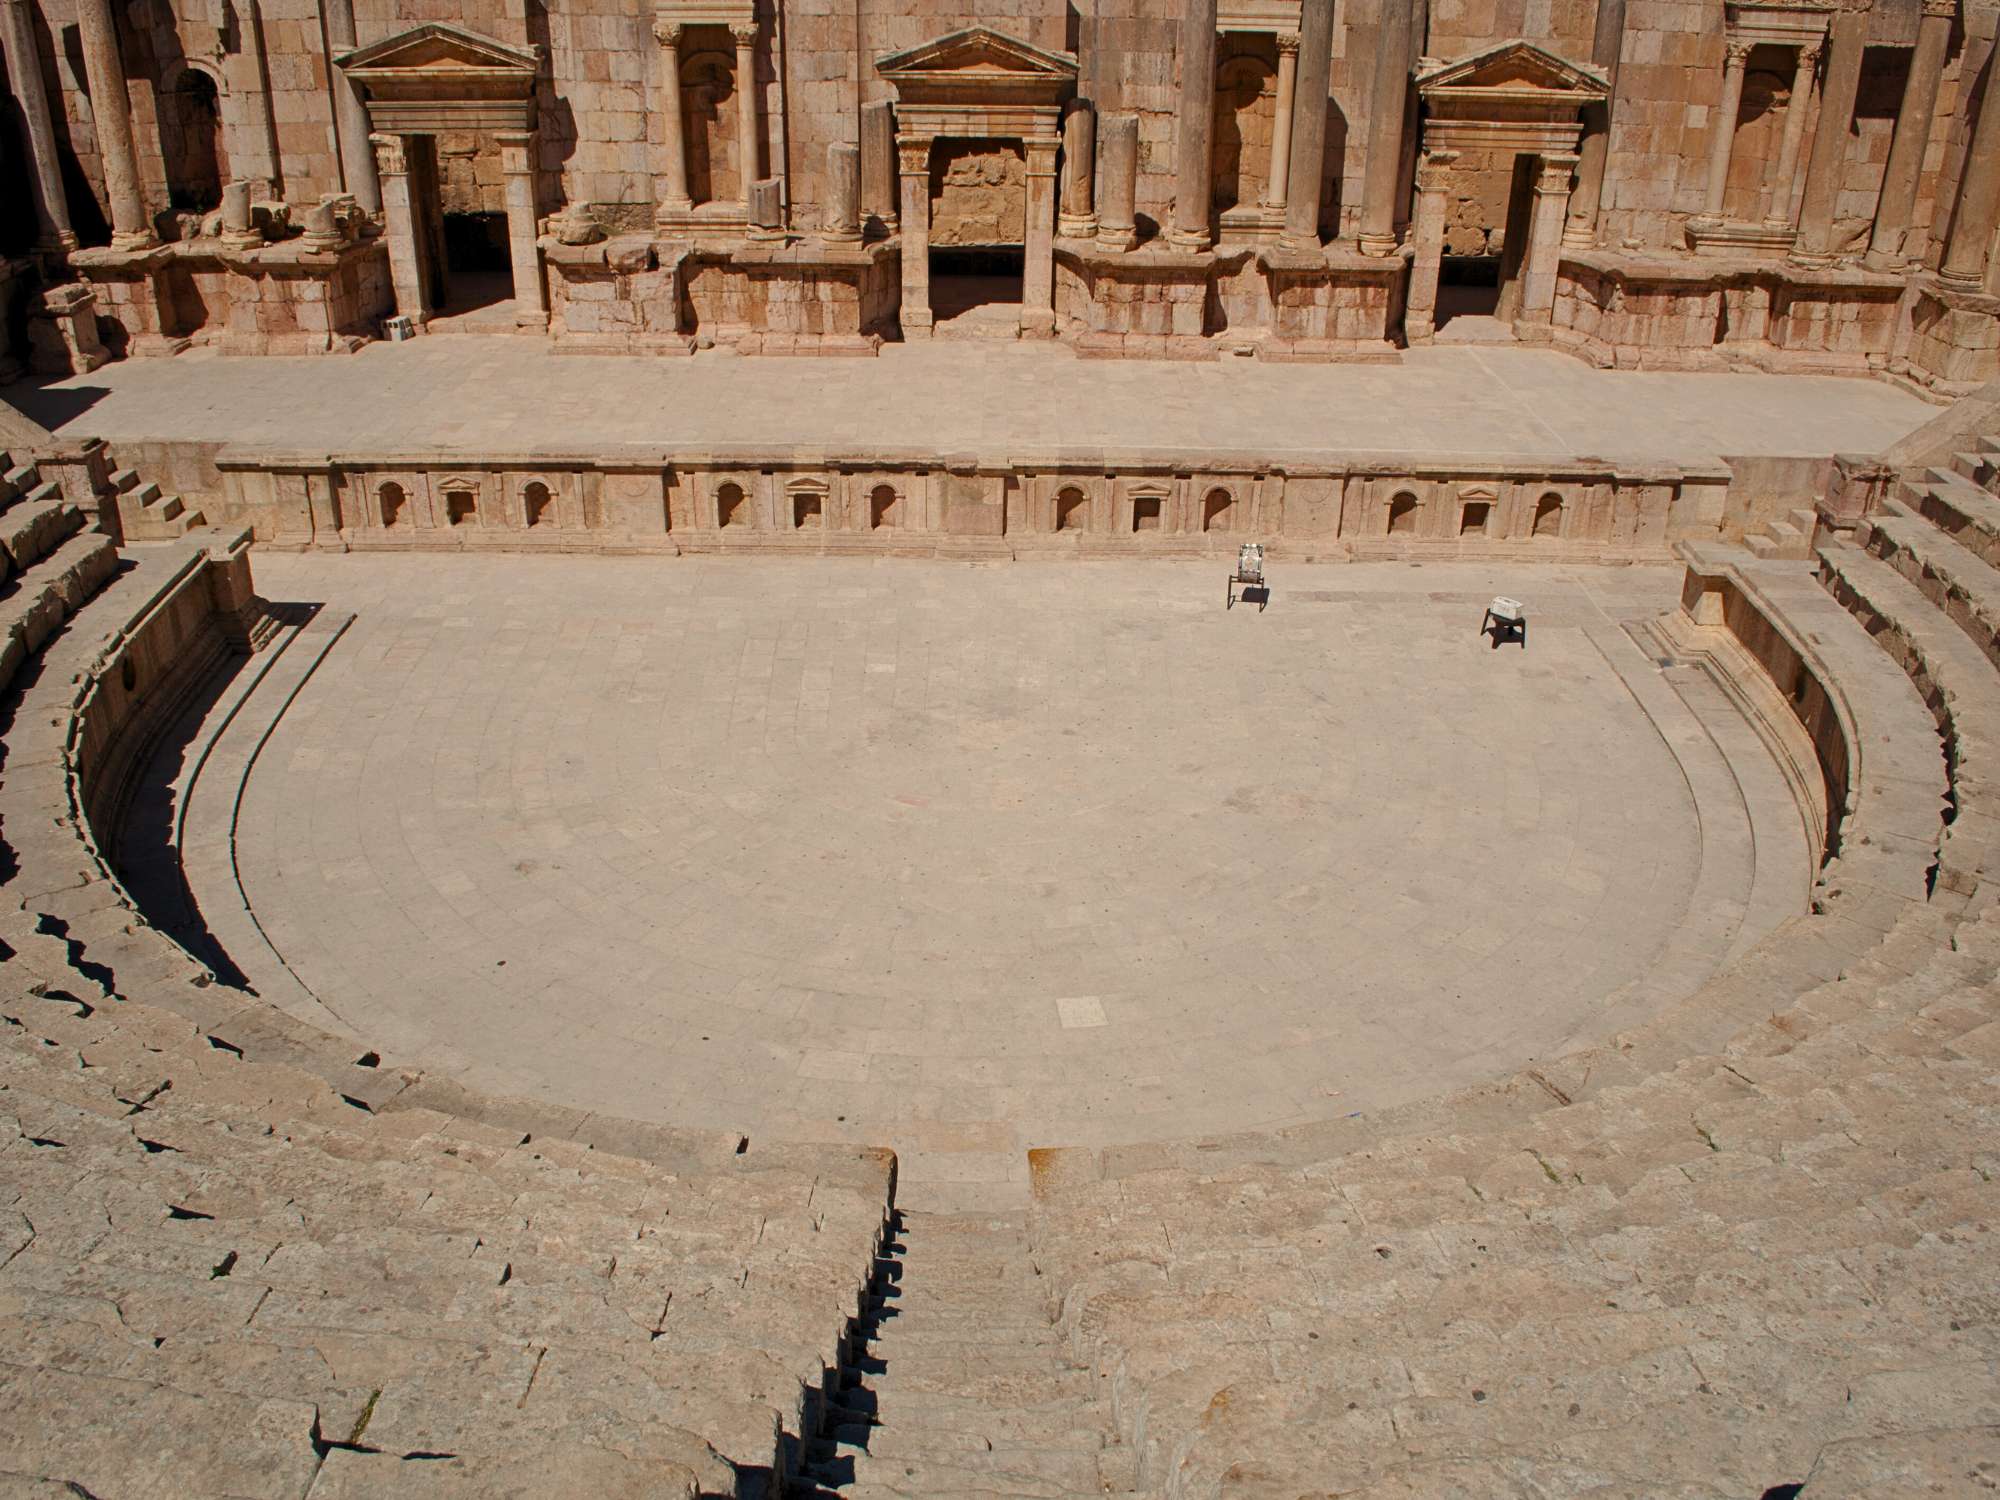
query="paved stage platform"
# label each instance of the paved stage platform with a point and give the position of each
(487, 395)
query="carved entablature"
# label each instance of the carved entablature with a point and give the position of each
(443, 77)
(1273, 16)
(979, 82)
(1794, 23)
(705, 12)
(1515, 97)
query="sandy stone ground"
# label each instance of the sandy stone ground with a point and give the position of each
(493, 395)
(971, 859)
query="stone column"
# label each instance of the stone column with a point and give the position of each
(1386, 108)
(1779, 210)
(517, 162)
(392, 167)
(1118, 182)
(24, 77)
(1722, 133)
(915, 163)
(1913, 132)
(1978, 200)
(111, 110)
(1606, 47)
(878, 163)
(350, 115)
(1281, 120)
(1193, 191)
(1544, 256)
(1309, 125)
(1038, 271)
(842, 218)
(253, 132)
(1427, 239)
(1079, 215)
(1849, 31)
(673, 148)
(746, 103)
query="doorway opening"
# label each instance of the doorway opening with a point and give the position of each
(1479, 279)
(462, 249)
(979, 216)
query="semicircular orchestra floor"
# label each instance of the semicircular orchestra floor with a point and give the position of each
(965, 860)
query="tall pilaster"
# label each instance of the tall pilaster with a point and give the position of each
(1779, 211)
(1722, 127)
(1118, 182)
(1607, 44)
(350, 115)
(399, 227)
(24, 77)
(748, 129)
(1913, 132)
(1965, 253)
(1193, 164)
(111, 112)
(1038, 271)
(673, 196)
(914, 159)
(517, 164)
(1544, 257)
(1427, 240)
(1386, 109)
(1309, 125)
(1281, 121)
(1847, 35)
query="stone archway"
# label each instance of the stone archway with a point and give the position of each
(979, 85)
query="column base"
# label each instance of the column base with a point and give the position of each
(1884, 260)
(1959, 282)
(1418, 330)
(1376, 244)
(916, 323)
(1077, 226)
(1811, 260)
(669, 211)
(60, 244)
(1192, 242)
(1038, 323)
(134, 239)
(1579, 237)
(1119, 240)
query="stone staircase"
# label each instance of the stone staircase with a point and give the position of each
(147, 515)
(1789, 540)
(956, 1385)
(50, 565)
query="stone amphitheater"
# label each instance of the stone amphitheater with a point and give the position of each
(711, 920)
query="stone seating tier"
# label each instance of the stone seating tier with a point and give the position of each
(234, 1246)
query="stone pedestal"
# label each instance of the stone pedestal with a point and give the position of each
(62, 332)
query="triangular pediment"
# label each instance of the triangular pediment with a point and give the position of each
(439, 47)
(979, 51)
(1516, 68)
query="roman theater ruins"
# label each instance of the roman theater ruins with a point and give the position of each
(655, 842)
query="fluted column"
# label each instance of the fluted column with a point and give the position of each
(1978, 201)
(1193, 164)
(1309, 125)
(399, 227)
(24, 77)
(1386, 109)
(914, 159)
(1281, 121)
(1118, 182)
(1722, 133)
(350, 115)
(673, 145)
(1796, 109)
(1427, 239)
(1606, 47)
(1914, 119)
(517, 164)
(747, 127)
(111, 112)
(1847, 34)
(1544, 257)
(1079, 162)
(1038, 268)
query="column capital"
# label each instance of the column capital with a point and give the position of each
(668, 33)
(515, 147)
(1288, 44)
(1736, 51)
(391, 160)
(744, 33)
(1433, 169)
(1945, 8)
(1557, 173)
(914, 157)
(1042, 158)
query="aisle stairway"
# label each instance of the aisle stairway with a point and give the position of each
(956, 1386)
